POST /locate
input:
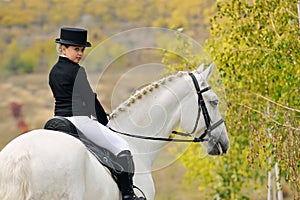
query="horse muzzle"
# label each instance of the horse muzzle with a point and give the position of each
(217, 147)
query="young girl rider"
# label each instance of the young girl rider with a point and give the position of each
(76, 101)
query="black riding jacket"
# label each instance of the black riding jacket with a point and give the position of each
(73, 93)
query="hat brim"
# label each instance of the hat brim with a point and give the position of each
(60, 41)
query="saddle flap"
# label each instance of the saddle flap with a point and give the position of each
(104, 156)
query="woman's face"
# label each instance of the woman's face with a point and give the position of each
(74, 53)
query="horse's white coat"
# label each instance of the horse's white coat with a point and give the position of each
(48, 165)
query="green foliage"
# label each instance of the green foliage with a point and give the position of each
(27, 62)
(255, 46)
(185, 56)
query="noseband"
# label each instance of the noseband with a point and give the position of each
(201, 106)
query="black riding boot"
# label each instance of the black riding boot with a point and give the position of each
(125, 177)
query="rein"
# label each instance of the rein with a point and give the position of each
(201, 106)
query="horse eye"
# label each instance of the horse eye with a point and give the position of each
(214, 102)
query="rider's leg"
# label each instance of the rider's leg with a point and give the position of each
(99, 134)
(125, 177)
(103, 137)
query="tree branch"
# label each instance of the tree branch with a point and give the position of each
(270, 118)
(278, 104)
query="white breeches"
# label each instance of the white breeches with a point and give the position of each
(99, 134)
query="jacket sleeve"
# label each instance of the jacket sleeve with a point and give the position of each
(100, 112)
(89, 97)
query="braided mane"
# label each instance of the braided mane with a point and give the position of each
(144, 91)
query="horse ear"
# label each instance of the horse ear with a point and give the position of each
(200, 68)
(208, 71)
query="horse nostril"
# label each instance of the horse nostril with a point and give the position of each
(222, 149)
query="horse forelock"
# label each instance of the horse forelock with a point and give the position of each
(139, 94)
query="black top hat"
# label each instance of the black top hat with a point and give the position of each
(73, 36)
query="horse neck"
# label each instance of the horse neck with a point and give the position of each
(153, 111)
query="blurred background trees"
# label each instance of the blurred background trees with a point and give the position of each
(29, 27)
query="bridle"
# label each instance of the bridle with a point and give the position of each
(201, 106)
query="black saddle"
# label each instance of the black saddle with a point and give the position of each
(104, 156)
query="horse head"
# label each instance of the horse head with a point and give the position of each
(201, 105)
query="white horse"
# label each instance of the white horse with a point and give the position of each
(50, 165)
